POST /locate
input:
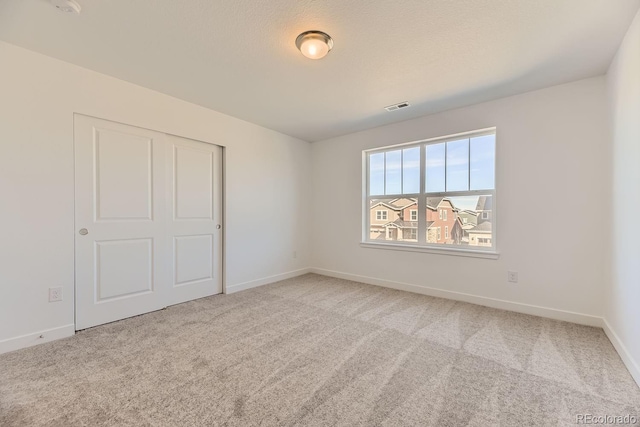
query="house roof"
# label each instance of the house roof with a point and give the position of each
(485, 203)
(484, 227)
(376, 202)
(434, 202)
(409, 202)
(392, 204)
(400, 223)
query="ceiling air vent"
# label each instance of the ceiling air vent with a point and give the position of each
(397, 106)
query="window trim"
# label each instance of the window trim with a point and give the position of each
(490, 252)
(411, 212)
(382, 211)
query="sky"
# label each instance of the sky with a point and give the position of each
(461, 165)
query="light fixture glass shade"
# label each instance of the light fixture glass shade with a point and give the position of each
(314, 44)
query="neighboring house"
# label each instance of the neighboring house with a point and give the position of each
(381, 214)
(468, 217)
(392, 219)
(481, 235)
(443, 225)
(408, 224)
(469, 220)
(397, 219)
(484, 207)
(403, 230)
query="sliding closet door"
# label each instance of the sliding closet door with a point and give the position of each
(148, 220)
(121, 239)
(194, 219)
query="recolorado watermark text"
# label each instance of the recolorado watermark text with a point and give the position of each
(606, 419)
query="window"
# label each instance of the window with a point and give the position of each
(410, 234)
(442, 178)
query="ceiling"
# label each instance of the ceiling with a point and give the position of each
(239, 57)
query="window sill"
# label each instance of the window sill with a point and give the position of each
(432, 250)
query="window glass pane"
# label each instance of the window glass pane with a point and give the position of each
(466, 219)
(458, 165)
(393, 172)
(391, 219)
(411, 170)
(483, 162)
(376, 174)
(435, 168)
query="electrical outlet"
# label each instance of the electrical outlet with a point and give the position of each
(55, 294)
(512, 276)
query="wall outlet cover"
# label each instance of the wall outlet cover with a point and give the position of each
(55, 294)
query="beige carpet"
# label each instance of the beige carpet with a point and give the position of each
(317, 351)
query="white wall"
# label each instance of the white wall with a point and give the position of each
(622, 307)
(552, 176)
(267, 184)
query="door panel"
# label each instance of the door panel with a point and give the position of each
(196, 180)
(120, 201)
(123, 175)
(193, 177)
(123, 268)
(194, 259)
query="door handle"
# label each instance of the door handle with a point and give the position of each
(83, 231)
(218, 227)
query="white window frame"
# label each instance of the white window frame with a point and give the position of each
(490, 252)
(446, 232)
(379, 216)
(413, 215)
(444, 214)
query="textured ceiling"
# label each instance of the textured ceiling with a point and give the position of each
(238, 57)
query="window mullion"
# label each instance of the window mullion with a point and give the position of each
(384, 175)
(469, 164)
(445, 167)
(422, 200)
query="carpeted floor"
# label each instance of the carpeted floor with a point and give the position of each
(318, 351)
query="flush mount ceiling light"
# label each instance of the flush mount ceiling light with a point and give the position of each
(314, 44)
(67, 6)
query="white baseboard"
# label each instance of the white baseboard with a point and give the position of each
(266, 280)
(35, 338)
(551, 313)
(631, 364)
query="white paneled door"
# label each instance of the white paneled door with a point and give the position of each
(194, 218)
(148, 216)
